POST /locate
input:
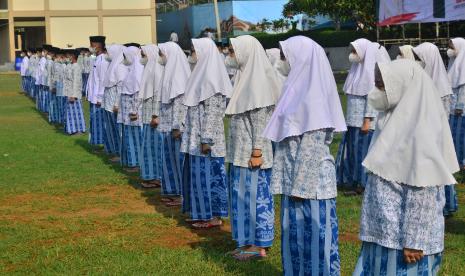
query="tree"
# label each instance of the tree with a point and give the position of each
(338, 10)
(265, 24)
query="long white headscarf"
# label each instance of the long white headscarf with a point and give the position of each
(116, 72)
(412, 143)
(457, 64)
(131, 84)
(310, 100)
(407, 52)
(176, 74)
(258, 84)
(152, 75)
(209, 76)
(361, 79)
(274, 54)
(435, 67)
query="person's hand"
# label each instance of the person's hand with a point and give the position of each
(133, 117)
(154, 122)
(54, 91)
(115, 109)
(255, 162)
(206, 149)
(99, 104)
(176, 134)
(71, 99)
(412, 255)
(458, 112)
(366, 125)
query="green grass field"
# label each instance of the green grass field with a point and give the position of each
(67, 210)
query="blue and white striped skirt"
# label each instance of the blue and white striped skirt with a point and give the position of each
(130, 145)
(375, 259)
(53, 113)
(30, 89)
(309, 237)
(205, 194)
(34, 89)
(45, 99)
(172, 165)
(151, 159)
(457, 127)
(62, 101)
(112, 133)
(96, 125)
(352, 150)
(85, 78)
(74, 118)
(38, 89)
(23, 83)
(252, 212)
(451, 200)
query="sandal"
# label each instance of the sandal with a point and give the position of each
(149, 185)
(207, 225)
(244, 256)
(174, 203)
(131, 170)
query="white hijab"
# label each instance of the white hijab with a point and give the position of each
(176, 74)
(116, 72)
(131, 84)
(361, 79)
(457, 64)
(407, 52)
(435, 67)
(274, 54)
(412, 143)
(209, 76)
(152, 75)
(310, 100)
(258, 84)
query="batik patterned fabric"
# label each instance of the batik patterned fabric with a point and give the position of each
(375, 259)
(151, 159)
(457, 126)
(62, 103)
(352, 150)
(205, 192)
(40, 98)
(23, 83)
(451, 205)
(357, 110)
(130, 145)
(130, 104)
(74, 119)
(399, 216)
(309, 237)
(172, 165)
(85, 78)
(45, 99)
(96, 125)
(110, 98)
(53, 114)
(252, 218)
(112, 133)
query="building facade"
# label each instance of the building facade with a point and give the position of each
(69, 23)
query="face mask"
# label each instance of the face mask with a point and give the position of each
(107, 58)
(284, 67)
(226, 51)
(231, 62)
(354, 58)
(29, 54)
(421, 63)
(378, 99)
(399, 57)
(162, 60)
(22, 55)
(192, 60)
(127, 62)
(67, 60)
(451, 53)
(92, 50)
(144, 61)
(49, 57)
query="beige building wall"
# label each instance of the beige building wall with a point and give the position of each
(72, 31)
(127, 29)
(27, 5)
(72, 5)
(126, 4)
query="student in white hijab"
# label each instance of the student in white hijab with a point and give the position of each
(360, 117)
(306, 116)
(205, 193)
(274, 55)
(171, 119)
(432, 62)
(410, 160)
(152, 139)
(456, 53)
(250, 155)
(113, 82)
(130, 113)
(406, 52)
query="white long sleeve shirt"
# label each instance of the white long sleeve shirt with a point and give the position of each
(95, 87)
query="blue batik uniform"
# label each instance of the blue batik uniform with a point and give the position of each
(131, 131)
(252, 207)
(74, 115)
(112, 131)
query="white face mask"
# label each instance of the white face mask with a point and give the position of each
(29, 54)
(144, 60)
(107, 58)
(284, 67)
(231, 62)
(127, 62)
(378, 99)
(354, 58)
(49, 57)
(226, 51)
(162, 60)
(67, 60)
(451, 53)
(22, 55)
(421, 63)
(192, 60)
(92, 50)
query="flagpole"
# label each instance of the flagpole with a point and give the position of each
(217, 16)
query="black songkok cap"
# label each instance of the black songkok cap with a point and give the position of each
(97, 39)
(133, 44)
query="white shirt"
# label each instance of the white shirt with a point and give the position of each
(95, 87)
(174, 37)
(24, 66)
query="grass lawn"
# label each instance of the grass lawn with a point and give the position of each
(67, 210)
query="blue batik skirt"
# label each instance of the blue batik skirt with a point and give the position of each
(150, 161)
(172, 165)
(131, 141)
(112, 133)
(74, 118)
(96, 125)
(309, 238)
(352, 150)
(451, 205)
(457, 127)
(85, 79)
(53, 112)
(375, 260)
(205, 193)
(252, 212)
